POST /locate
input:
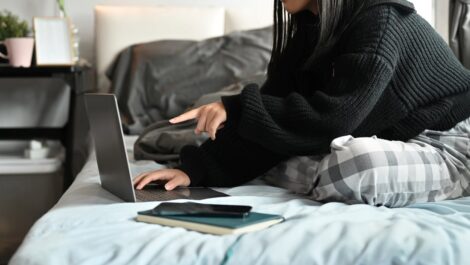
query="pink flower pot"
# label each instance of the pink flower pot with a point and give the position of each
(20, 51)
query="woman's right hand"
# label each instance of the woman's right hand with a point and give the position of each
(210, 118)
(173, 177)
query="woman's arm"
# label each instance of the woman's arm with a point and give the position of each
(263, 130)
(227, 161)
(224, 160)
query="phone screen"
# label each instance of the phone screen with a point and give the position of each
(192, 208)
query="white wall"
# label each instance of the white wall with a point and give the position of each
(26, 9)
(426, 9)
(81, 12)
(442, 18)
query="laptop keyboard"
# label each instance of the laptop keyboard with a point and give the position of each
(157, 195)
(160, 194)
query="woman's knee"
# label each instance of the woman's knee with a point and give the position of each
(353, 155)
(380, 172)
(355, 171)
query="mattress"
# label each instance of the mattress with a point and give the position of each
(91, 226)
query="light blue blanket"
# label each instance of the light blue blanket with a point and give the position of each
(91, 226)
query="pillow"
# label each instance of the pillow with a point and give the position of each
(117, 27)
(158, 80)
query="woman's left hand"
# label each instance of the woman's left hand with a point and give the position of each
(209, 117)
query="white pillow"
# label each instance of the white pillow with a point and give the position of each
(117, 27)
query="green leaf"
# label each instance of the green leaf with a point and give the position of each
(61, 4)
(11, 26)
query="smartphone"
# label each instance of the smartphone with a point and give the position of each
(200, 209)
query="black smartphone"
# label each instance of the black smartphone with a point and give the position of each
(200, 209)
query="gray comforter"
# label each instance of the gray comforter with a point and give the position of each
(159, 80)
(162, 141)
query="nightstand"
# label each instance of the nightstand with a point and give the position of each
(80, 80)
(25, 198)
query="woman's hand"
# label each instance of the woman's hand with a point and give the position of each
(209, 118)
(174, 178)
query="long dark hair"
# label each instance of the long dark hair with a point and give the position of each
(334, 18)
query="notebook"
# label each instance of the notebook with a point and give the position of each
(213, 225)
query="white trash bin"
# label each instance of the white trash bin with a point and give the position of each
(28, 189)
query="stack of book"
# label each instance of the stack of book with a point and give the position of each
(218, 225)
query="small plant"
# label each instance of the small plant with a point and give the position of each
(12, 26)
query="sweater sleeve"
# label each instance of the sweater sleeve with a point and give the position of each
(227, 161)
(300, 125)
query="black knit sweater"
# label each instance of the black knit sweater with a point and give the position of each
(391, 75)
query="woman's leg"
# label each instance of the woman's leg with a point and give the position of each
(295, 174)
(433, 166)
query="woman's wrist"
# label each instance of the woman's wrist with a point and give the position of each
(190, 164)
(232, 106)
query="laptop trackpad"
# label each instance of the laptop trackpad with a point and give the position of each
(158, 193)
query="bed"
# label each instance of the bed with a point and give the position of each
(91, 226)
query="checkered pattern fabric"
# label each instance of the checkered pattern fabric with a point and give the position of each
(433, 166)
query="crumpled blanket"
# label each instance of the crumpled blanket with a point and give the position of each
(158, 80)
(163, 141)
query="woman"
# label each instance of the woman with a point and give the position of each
(339, 69)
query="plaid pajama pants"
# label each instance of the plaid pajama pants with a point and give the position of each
(433, 166)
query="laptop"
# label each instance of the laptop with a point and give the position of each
(113, 163)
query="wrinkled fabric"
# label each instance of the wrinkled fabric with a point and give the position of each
(158, 80)
(162, 141)
(459, 39)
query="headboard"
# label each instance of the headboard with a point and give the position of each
(117, 27)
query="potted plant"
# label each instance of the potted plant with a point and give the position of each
(14, 35)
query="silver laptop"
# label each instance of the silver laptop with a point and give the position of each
(113, 164)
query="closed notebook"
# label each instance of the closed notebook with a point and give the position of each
(213, 225)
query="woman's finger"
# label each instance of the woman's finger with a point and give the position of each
(210, 116)
(140, 177)
(210, 127)
(192, 114)
(175, 182)
(156, 175)
(214, 125)
(201, 121)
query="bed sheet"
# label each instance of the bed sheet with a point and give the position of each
(91, 226)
